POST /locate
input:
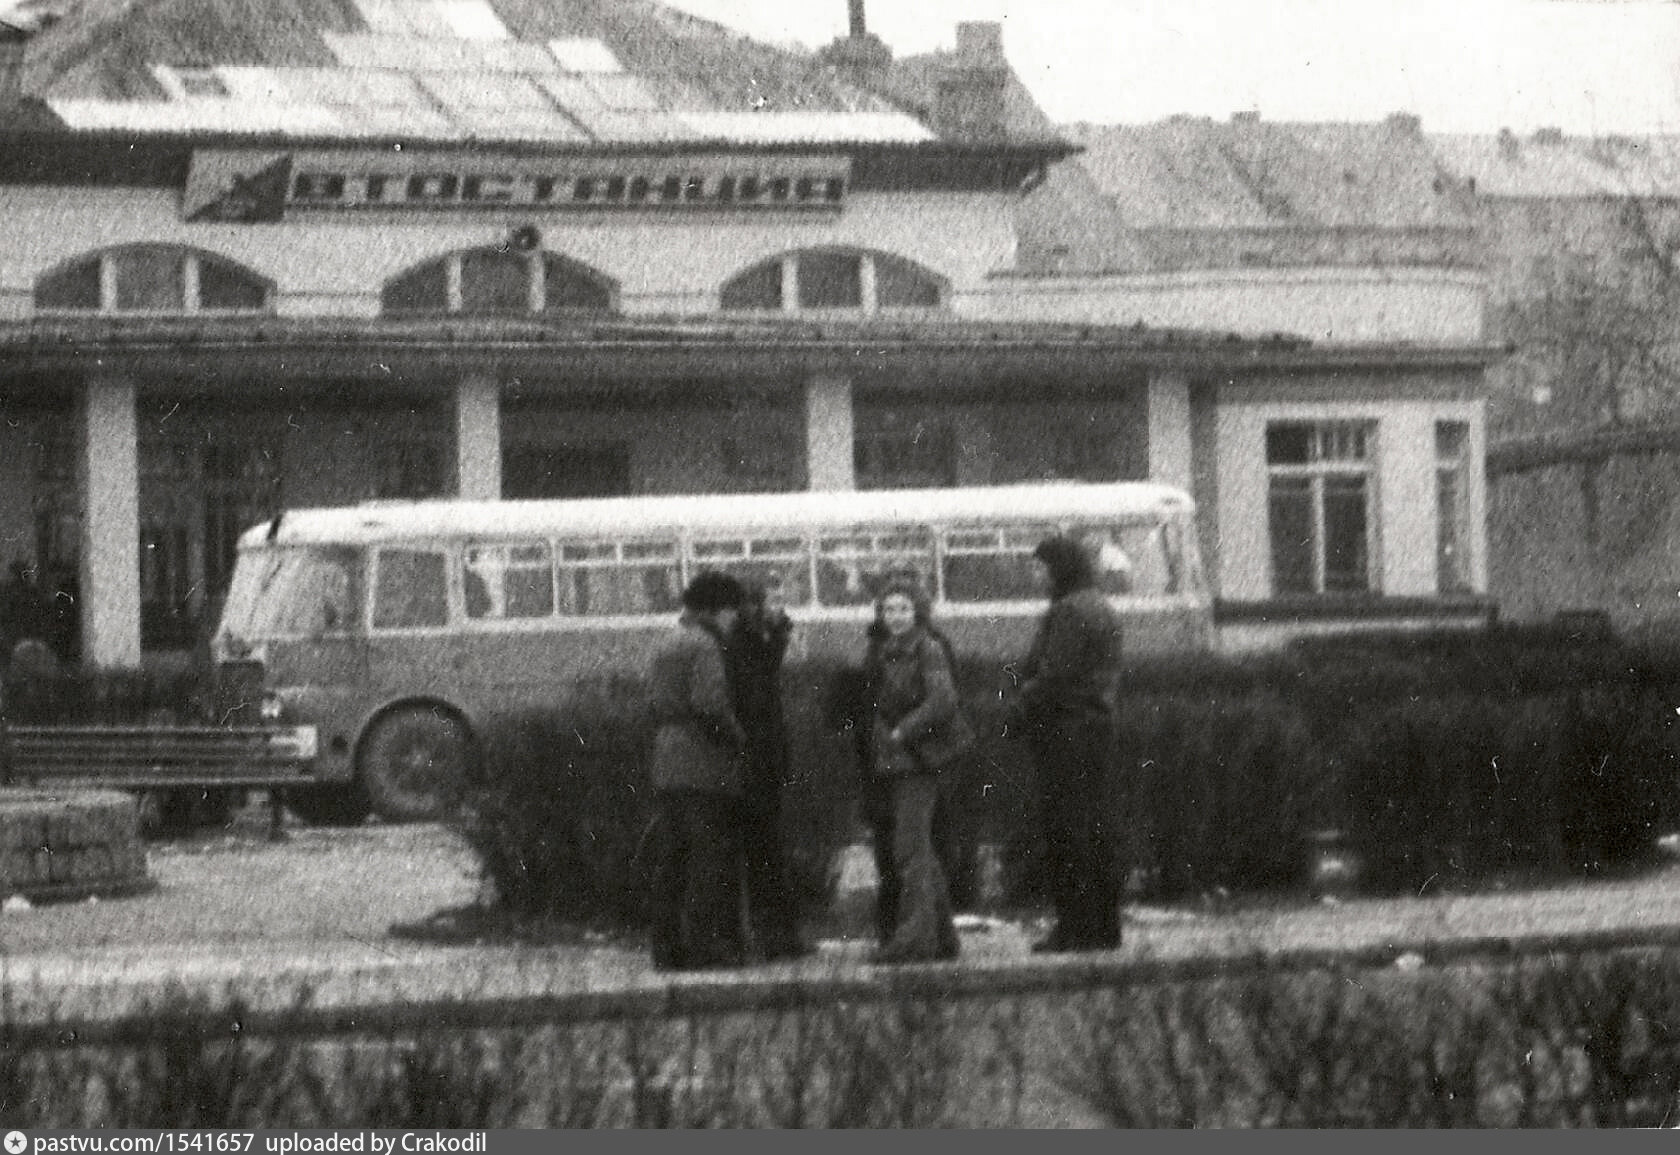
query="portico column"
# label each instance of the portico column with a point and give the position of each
(829, 433)
(1169, 430)
(109, 579)
(478, 439)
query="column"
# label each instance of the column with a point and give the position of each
(829, 433)
(108, 468)
(1170, 457)
(1404, 505)
(478, 439)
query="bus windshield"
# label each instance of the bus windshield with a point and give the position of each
(292, 592)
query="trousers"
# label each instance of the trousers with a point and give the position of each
(1074, 756)
(695, 900)
(913, 902)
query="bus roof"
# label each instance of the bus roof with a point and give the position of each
(731, 512)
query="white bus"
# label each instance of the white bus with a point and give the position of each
(398, 630)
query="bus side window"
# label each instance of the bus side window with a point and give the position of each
(599, 579)
(411, 590)
(852, 568)
(508, 581)
(991, 565)
(780, 562)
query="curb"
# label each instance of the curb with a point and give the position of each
(793, 986)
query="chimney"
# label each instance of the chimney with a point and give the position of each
(1404, 123)
(1247, 118)
(969, 97)
(862, 55)
(1549, 135)
(1509, 146)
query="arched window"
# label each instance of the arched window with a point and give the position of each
(833, 279)
(497, 282)
(151, 279)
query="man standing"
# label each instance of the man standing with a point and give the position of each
(696, 770)
(1066, 710)
(756, 648)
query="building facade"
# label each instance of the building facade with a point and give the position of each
(275, 255)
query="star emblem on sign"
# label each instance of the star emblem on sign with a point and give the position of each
(16, 1142)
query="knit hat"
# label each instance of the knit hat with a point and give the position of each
(711, 591)
(1069, 561)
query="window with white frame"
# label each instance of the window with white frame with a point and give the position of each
(1320, 489)
(1452, 507)
(830, 280)
(497, 282)
(151, 279)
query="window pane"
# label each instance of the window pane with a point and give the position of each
(493, 282)
(1452, 507)
(72, 287)
(151, 280)
(421, 290)
(508, 581)
(852, 569)
(992, 577)
(291, 592)
(900, 285)
(1293, 546)
(225, 286)
(412, 590)
(830, 281)
(1344, 535)
(1136, 559)
(757, 288)
(611, 590)
(1288, 444)
(566, 287)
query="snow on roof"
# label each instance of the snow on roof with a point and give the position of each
(728, 513)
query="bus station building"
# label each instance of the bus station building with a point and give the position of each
(261, 254)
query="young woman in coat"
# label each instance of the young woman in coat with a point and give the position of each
(914, 728)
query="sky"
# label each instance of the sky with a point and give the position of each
(1586, 66)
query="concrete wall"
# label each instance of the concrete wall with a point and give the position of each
(325, 264)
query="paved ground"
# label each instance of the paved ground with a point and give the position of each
(234, 914)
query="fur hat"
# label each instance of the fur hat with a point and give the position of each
(711, 591)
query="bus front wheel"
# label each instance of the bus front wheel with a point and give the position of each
(415, 763)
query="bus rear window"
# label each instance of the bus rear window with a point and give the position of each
(292, 592)
(412, 590)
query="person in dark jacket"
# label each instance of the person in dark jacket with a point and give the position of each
(756, 649)
(1066, 710)
(696, 767)
(914, 728)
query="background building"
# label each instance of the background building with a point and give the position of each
(267, 254)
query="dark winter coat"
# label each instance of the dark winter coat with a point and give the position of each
(1075, 658)
(911, 688)
(754, 658)
(698, 743)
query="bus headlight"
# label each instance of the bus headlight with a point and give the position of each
(272, 708)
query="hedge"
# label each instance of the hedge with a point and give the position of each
(1441, 761)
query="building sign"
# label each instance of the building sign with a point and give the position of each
(253, 186)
